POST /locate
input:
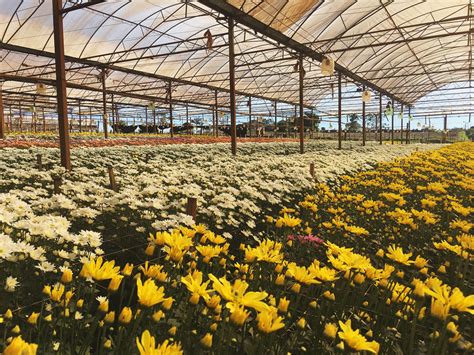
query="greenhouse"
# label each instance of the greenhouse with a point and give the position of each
(236, 177)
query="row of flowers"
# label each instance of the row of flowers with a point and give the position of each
(379, 262)
(88, 139)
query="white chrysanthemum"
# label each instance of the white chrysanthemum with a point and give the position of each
(11, 283)
(46, 266)
(91, 238)
(7, 246)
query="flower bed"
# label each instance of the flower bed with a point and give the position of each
(288, 297)
(96, 140)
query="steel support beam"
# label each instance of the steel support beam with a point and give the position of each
(2, 115)
(233, 113)
(227, 9)
(61, 90)
(112, 111)
(276, 121)
(105, 116)
(80, 116)
(380, 119)
(445, 128)
(44, 119)
(82, 6)
(339, 110)
(170, 98)
(250, 116)
(392, 130)
(363, 119)
(217, 111)
(401, 125)
(409, 126)
(301, 79)
(146, 119)
(187, 118)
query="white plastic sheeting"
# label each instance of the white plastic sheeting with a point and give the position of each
(409, 48)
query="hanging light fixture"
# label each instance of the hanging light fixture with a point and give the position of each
(366, 96)
(151, 105)
(327, 66)
(296, 67)
(209, 40)
(40, 88)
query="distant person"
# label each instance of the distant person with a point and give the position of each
(138, 130)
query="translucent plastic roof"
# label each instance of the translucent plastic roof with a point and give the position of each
(408, 48)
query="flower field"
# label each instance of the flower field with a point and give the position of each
(372, 254)
(95, 140)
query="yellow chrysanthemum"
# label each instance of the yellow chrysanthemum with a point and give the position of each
(355, 340)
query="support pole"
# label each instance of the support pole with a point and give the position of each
(217, 112)
(113, 182)
(171, 108)
(154, 119)
(295, 121)
(233, 113)
(380, 119)
(117, 118)
(409, 125)
(20, 122)
(191, 207)
(80, 117)
(276, 121)
(10, 118)
(363, 119)
(105, 116)
(146, 119)
(339, 110)
(64, 143)
(301, 75)
(445, 129)
(393, 121)
(401, 125)
(250, 116)
(90, 119)
(113, 112)
(44, 119)
(187, 118)
(34, 118)
(2, 115)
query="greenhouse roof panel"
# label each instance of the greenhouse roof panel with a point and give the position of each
(408, 48)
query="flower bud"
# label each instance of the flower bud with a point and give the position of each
(67, 276)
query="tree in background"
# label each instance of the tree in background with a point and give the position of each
(371, 121)
(470, 133)
(353, 125)
(310, 120)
